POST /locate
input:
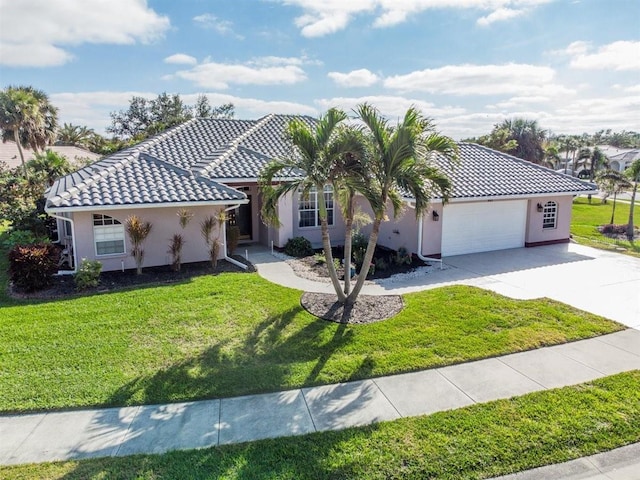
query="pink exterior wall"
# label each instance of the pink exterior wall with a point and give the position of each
(535, 234)
(164, 224)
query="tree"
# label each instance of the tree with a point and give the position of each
(138, 231)
(27, 117)
(612, 182)
(597, 161)
(633, 174)
(315, 153)
(49, 165)
(519, 137)
(400, 161)
(203, 109)
(75, 135)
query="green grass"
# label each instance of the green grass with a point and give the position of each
(233, 334)
(475, 442)
(586, 217)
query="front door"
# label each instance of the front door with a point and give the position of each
(241, 217)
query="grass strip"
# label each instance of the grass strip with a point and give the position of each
(475, 442)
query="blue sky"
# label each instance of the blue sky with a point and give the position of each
(572, 65)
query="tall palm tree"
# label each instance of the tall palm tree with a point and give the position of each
(27, 117)
(400, 161)
(50, 165)
(612, 182)
(633, 174)
(529, 137)
(315, 150)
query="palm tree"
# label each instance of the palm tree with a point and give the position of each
(633, 174)
(315, 150)
(76, 135)
(18, 109)
(39, 136)
(529, 138)
(612, 182)
(51, 165)
(597, 161)
(400, 162)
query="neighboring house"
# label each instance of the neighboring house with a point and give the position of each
(9, 153)
(620, 158)
(212, 165)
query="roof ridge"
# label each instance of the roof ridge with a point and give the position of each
(233, 145)
(134, 151)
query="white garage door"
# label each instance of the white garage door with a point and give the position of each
(483, 226)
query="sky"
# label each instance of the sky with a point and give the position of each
(572, 65)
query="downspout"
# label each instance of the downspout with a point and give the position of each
(73, 246)
(224, 242)
(419, 249)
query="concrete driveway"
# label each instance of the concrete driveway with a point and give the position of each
(601, 282)
(597, 281)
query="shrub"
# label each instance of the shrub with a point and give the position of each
(138, 231)
(298, 247)
(31, 267)
(359, 244)
(22, 237)
(214, 251)
(175, 250)
(381, 264)
(88, 275)
(402, 257)
(233, 236)
(613, 229)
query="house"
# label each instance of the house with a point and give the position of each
(210, 166)
(620, 158)
(10, 155)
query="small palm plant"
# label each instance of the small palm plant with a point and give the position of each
(177, 241)
(138, 231)
(207, 227)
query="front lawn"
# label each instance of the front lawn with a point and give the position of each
(233, 334)
(475, 442)
(586, 217)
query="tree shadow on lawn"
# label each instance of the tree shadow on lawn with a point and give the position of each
(202, 377)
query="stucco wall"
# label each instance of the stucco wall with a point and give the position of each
(164, 224)
(535, 233)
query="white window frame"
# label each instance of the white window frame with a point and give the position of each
(550, 215)
(107, 229)
(309, 203)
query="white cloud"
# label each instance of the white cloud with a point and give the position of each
(270, 61)
(509, 79)
(355, 78)
(390, 106)
(621, 55)
(220, 75)
(210, 21)
(36, 32)
(500, 15)
(321, 18)
(632, 89)
(181, 59)
(519, 101)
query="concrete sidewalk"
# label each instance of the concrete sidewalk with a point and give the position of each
(160, 428)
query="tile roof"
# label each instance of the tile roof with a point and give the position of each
(483, 172)
(9, 153)
(188, 163)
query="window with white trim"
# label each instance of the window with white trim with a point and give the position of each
(108, 235)
(550, 215)
(308, 209)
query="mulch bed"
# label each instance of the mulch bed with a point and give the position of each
(367, 309)
(64, 286)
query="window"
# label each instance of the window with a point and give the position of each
(108, 233)
(549, 215)
(308, 211)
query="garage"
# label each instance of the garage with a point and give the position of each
(483, 226)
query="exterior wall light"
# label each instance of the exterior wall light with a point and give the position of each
(540, 208)
(435, 216)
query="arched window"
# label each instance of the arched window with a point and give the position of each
(550, 215)
(108, 235)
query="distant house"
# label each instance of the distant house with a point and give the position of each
(620, 158)
(212, 165)
(9, 153)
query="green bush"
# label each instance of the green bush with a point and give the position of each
(233, 236)
(88, 275)
(22, 237)
(359, 244)
(298, 247)
(31, 267)
(402, 257)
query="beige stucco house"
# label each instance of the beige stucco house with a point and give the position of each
(212, 165)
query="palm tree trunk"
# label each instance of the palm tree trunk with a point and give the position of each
(16, 137)
(348, 234)
(326, 245)
(366, 263)
(613, 211)
(630, 226)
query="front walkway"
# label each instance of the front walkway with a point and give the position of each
(160, 428)
(601, 282)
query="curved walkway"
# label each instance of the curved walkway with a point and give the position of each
(601, 282)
